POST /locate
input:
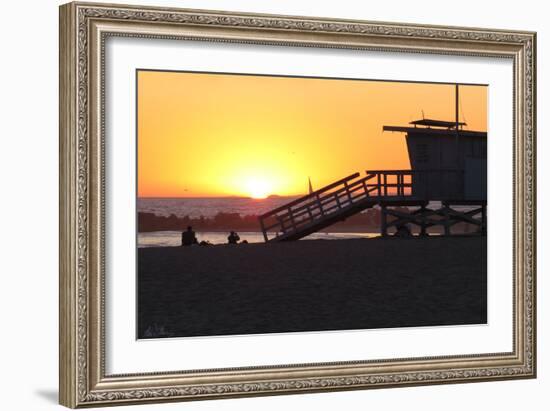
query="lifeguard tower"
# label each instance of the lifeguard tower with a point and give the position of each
(448, 163)
(446, 185)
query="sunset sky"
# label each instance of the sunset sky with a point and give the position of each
(210, 135)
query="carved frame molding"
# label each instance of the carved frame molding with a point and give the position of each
(83, 30)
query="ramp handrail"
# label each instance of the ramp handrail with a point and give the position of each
(311, 195)
(347, 195)
(316, 205)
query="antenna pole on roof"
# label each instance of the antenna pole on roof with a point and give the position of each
(456, 106)
(456, 127)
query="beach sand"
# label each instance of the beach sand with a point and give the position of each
(311, 285)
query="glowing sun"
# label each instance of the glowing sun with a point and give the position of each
(258, 188)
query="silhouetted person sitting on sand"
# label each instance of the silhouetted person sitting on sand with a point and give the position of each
(403, 231)
(233, 238)
(188, 237)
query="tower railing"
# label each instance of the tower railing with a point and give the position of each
(353, 194)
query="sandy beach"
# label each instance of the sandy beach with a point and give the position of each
(311, 286)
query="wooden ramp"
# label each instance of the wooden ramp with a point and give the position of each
(334, 202)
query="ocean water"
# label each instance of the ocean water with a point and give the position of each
(209, 207)
(173, 238)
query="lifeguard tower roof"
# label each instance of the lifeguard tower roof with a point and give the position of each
(428, 126)
(436, 123)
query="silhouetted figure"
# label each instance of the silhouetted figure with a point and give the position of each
(403, 231)
(233, 238)
(188, 237)
(205, 243)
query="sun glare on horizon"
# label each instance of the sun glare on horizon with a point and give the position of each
(257, 188)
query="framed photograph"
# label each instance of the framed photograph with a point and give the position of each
(259, 204)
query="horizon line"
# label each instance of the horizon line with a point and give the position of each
(221, 196)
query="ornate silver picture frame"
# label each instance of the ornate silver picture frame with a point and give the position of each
(85, 28)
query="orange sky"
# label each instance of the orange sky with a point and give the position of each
(207, 135)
